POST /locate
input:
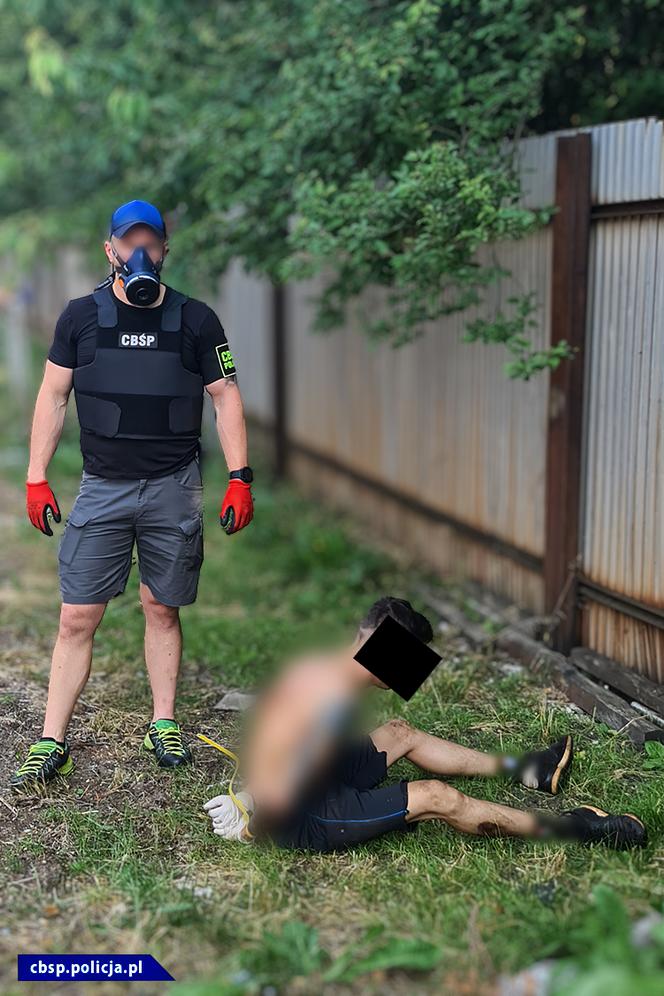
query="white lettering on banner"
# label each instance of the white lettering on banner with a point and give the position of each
(139, 340)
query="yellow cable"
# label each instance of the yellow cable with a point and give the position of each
(238, 802)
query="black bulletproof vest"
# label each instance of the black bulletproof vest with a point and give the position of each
(137, 386)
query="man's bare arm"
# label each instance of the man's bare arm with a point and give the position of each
(48, 418)
(291, 739)
(276, 731)
(229, 419)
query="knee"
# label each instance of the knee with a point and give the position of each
(443, 799)
(78, 622)
(401, 732)
(164, 616)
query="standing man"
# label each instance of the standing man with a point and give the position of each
(138, 355)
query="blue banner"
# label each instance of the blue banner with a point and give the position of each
(92, 967)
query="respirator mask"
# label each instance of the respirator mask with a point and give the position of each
(139, 276)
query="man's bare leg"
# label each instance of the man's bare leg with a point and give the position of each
(399, 739)
(434, 800)
(163, 651)
(70, 664)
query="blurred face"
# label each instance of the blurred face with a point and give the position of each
(361, 637)
(138, 236)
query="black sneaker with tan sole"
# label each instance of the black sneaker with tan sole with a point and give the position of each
(544, 769)
(590, 825)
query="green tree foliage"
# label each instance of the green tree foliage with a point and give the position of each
(614, 71)
(370, 140)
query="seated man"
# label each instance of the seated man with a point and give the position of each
(308, 784)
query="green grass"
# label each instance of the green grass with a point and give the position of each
(121, 858)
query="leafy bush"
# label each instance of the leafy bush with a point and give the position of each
(603, 959)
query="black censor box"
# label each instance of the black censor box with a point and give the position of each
(397, 658)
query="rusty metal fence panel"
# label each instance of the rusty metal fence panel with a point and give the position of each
(437, 421)
(623, 536)
(627, 163)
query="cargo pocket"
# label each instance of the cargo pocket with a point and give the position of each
(192, 529)
(189, 477)
(71, 537)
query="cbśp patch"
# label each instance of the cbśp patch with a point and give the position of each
(138, 340)
(226, 361)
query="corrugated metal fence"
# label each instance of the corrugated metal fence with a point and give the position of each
(550, 491)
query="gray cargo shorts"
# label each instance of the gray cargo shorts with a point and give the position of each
(165, 517)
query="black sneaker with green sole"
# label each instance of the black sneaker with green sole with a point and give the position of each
(46, 759)
(164, 737)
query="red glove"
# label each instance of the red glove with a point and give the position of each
(237, 508)
(39, 501)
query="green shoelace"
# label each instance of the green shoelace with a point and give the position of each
(170, 736)
(36, 756)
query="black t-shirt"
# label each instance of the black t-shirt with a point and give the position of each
(74, 345)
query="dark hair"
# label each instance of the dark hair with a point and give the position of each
(403, 612)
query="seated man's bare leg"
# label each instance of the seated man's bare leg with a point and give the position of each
(399, 739)
(434, 800)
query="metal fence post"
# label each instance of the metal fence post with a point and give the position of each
(571, 237)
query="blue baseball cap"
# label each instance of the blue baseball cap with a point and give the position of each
(136, 213)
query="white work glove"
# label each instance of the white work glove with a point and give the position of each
(227, 819)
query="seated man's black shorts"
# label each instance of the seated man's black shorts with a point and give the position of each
(349, 809)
